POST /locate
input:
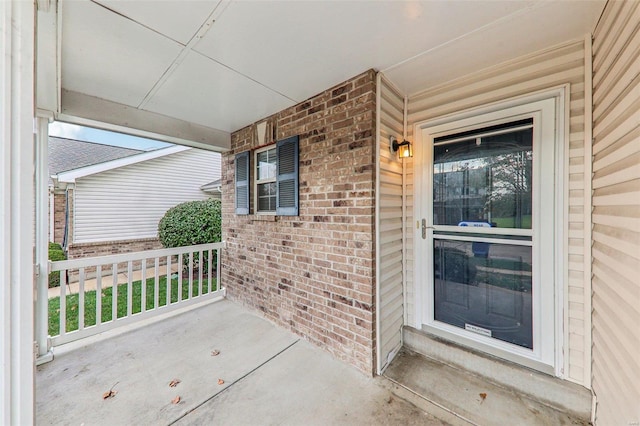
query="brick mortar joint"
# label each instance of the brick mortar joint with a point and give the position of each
(113, 242)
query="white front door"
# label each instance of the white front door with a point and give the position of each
(486, 232)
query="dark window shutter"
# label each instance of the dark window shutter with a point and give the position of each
(242, 182)
(287, 177)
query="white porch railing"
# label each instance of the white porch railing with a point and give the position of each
(93, 298)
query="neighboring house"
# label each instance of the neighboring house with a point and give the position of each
(108, 199)
(213, 188)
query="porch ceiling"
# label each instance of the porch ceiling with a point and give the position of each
(220, 65)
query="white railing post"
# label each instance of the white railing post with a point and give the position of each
(44, 353)
(81, 296)
(143, 288)
(200, 264)
(114, 292)
(129, 288)
(98, 294)
(179, 267)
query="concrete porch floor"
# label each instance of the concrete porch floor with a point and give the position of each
(270, 377)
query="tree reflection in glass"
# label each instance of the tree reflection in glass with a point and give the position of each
(484, 179)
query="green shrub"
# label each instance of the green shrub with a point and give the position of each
(191, 223)
(55, 253)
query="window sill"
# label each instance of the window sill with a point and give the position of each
(264, 218)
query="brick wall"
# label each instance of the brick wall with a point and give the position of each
(112, 247)
(314, 273)
(59, 216)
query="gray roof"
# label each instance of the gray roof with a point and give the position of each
(212, 185)
(69, 154)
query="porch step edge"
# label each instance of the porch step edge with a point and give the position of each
(559, 394)
(423, 403)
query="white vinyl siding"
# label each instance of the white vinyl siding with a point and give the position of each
(544, 70)
(616, 215)
(391, 309)
(128, 202)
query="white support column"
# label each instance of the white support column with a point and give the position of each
(44, 353)
(17, 368)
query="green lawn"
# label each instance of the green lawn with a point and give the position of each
(508, 222)
(122, 290)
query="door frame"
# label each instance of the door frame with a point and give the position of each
(554, 362)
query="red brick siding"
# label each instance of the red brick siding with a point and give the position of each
(314, 273)
(106, 248)
(58, 217)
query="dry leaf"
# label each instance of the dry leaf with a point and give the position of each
(483, 396)
(110, 393)
(174, 383)
(176, 400)
(215, 352)
(220, 382)
(73, 308)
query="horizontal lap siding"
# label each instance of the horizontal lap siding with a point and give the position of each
(391, 309)
(616, 215)
(128, 202)
(550, 68)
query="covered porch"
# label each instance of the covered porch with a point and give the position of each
(349, 267)
(261, 375)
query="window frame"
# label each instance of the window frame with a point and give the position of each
(256, 181)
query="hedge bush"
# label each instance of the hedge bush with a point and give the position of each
(55, 253)
(191, 223)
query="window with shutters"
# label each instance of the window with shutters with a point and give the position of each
(275, 186)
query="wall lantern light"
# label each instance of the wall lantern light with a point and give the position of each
(403, 148)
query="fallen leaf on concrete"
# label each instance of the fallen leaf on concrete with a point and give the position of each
(174, 383)
(220, 382)
(176, 400)
(483, 396)
(110, 393)
(215, 352)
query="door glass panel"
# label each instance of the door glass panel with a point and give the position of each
(484, 181)
(484, 288)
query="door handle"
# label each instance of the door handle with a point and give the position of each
(424, 228)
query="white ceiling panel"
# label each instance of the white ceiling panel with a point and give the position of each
(301, 48)
(109, 56)
(259, 57)
(178, 20)
(205, 92)
(545, 25)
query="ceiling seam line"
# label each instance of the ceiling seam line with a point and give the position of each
(202, 30)
(462, 36)
(136, 22)
(245, 76)
(163, 78)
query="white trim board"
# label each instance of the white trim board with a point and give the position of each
(71, 175)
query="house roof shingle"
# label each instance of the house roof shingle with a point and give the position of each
(69, 154)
